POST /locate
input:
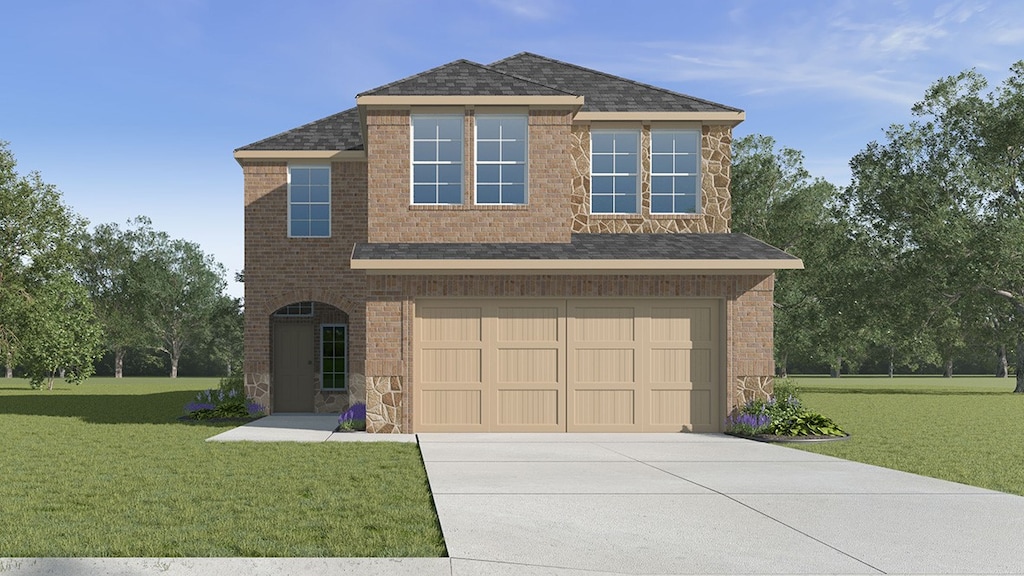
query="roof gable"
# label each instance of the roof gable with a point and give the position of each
(464, 78)
(603, 92)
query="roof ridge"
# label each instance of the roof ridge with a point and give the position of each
(283, 132)
(613, 76)
(471, 63)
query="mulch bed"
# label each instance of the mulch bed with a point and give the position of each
(772, 438)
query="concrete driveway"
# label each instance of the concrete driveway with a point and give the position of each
(703, 504)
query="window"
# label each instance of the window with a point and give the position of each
(334, 356)
(296, 309)
(675, 178)
(309, 201)
(614, 182)
(436, 159)
(501, 160)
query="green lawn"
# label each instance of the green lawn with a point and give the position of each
(965, 429)
(105, 469)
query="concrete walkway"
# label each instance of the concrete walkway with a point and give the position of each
(589, 504)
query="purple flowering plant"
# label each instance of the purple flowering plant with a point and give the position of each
(228, 402)
(353, 419)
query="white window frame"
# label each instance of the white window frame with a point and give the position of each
(413, 162)
(636, 176)
(500, 162)
(345, 373)
(330, 195)
(673, 174)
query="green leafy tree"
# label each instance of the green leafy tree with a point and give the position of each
(183, 297)
(44, 325)
(944, 194)
(109, 272)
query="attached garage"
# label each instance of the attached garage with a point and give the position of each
(576, 365)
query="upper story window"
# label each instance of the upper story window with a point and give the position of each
(614, 171)
(675, 178)
(500, 159)
(309, 201)
(436, 159)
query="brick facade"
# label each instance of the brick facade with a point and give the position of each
(371, 203)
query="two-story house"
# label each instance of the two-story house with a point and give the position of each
(527, 245)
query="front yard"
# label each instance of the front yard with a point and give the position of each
(105, 469)
(965, 429)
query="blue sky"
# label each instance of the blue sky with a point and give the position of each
(134, 106)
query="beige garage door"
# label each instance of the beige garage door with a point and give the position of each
(577, 365)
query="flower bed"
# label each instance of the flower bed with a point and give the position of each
(782, 418)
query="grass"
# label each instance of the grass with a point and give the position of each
(965, 429)
(105, 469)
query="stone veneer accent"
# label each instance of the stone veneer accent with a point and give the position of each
(716, 142)
(390, 310)
(751, 387)
(384, 402)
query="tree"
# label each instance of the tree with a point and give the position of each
(775, 199)
(944, 194)
(109, 272)
(42, 324)
(184, 291)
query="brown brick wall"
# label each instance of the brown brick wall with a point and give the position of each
(716, 206)
(545, 217)
(281, 270)
(747, 310)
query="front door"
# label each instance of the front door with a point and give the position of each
(293, 367)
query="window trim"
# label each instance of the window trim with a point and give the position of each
(525, 118)
(637, 132)
(413, 163)
(330, 199)
(697, 175)
(345, 373)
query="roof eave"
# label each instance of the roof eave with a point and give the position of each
(725, 117)
(581, 266)
(293, 155)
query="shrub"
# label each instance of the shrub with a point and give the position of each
(353, 419)
(780, 415)
(227, 401)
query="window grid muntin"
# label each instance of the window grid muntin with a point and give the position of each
(513, 190)
(450, 147)
(621, 202)
(297, 309)
(309, 197)
(333, 356)
(675, 178)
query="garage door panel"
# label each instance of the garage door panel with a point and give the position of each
(528, 408)
(670, 366)
(608, 324)
(451, 365)
(701, 411)
(528, 365)
(528, 324)
(451, 408)
(450, 324)
(604, 365)
(700, 368)
(604, 408)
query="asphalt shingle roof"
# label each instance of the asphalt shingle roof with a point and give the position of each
(603, 92)
(586, 247)
(339, 131)
(524, 74)
(465, 78)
